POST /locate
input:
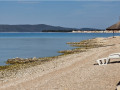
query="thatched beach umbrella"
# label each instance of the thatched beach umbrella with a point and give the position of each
(115, 27)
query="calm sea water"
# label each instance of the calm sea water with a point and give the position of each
(26, 45)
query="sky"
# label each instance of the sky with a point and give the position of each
(73, 14)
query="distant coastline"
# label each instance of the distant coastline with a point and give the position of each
(38, 28)
(42, 28)
(105, 31)
(69, 32)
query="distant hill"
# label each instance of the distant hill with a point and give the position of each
(31, 28)
(39, 28)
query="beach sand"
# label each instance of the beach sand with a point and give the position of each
(71, 72)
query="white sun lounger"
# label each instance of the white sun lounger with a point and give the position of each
(104, 61)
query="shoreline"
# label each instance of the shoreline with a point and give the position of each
(80, 66)
(77, 48)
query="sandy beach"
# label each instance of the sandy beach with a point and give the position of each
(71, 72)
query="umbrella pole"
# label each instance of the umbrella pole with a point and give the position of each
(113, 33)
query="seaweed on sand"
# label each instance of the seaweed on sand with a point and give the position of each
(82, 46)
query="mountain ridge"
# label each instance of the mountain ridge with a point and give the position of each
(30, 28)
(37, 28)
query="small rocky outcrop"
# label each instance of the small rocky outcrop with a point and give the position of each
(21, 60)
